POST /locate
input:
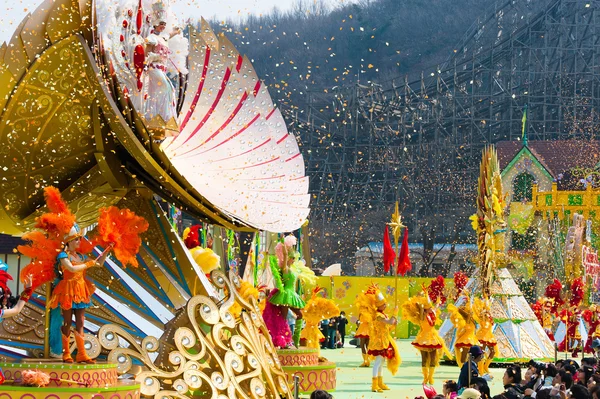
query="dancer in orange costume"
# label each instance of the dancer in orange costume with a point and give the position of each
(59, 234)
(421, 310)
(381, 343)
(74, 292)
(485, 333)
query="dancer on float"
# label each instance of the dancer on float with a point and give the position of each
(485, 333)
(462, 318)
(160, 93)
(422, 311)
(287, 270)
(382, 345)
(74, 292)
(58, 233)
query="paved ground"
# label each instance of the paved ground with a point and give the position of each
(355, 383)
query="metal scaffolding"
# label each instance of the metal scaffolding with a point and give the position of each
(419, 142)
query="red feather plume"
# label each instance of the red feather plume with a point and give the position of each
(460, 282)
(577, 292)
(122, 228)
(4, 278)
(554, 291)
(193, 238)
(436, 290)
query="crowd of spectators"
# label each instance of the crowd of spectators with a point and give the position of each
(561, 380)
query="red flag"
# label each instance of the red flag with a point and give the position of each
(404, 259)
(389, 255)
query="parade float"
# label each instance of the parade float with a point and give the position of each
(516, 329)
(80, 84)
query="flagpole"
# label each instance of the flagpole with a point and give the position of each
(396, 225)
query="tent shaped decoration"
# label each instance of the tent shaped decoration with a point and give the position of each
(520, 335)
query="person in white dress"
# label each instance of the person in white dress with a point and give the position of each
(159, 98)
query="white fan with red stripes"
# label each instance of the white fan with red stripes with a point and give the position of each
(233, 146)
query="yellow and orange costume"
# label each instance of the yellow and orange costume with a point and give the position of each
(420, 311)
(363, 304)
(381, 343)
(57, 249)
(317, 308)
(485, 333)
(462, 318)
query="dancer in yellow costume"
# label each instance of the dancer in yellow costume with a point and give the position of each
(485, 333)
(420, 311)
(381, 343)
(317, 308)
(462, 318)
(363, 304)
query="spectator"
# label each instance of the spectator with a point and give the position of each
(511, 380)
(320, 394)
(563, 378)
(342, 323)
(590, 362)
(450, 389)
(481, 384)
(324, 327)
(469, 393)
(331, 332)
(595, 392)
(584, 374)
(475, 356)
(593, 381)
(579, 392)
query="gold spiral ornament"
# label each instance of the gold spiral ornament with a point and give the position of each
(212, 351)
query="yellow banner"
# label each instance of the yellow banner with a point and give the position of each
(344, 290)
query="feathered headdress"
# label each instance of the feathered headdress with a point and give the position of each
(554, 291)
(44, 244)
(577, 292)
(436, 290)
(460, 282)
(374, 292)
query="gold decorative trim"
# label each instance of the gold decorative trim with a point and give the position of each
(213, 351)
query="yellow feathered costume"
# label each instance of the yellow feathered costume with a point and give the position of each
(364, 309)
(462, 318)
(381, 343)
(420, 311)
(317, 308)
(485, 333)
(247, 291)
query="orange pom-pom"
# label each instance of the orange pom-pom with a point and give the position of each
(42, 251)
(122, 228)
(35, 378)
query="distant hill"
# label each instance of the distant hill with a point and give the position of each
(313, 48)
